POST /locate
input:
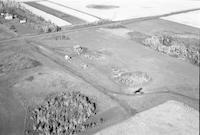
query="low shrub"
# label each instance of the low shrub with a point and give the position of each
(174, 46)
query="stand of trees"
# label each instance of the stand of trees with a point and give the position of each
(14, 8)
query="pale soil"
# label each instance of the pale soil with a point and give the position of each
(69, 11)
(55, 12)
(128, 9)
(190, 18)
(57, 21)
(156, 25)
(169, 118)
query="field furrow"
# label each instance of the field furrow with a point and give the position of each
(67, 10)
(69, 18)
(190, 18)
(46, 16)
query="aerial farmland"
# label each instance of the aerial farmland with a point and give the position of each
(94, 10)
(99, 67)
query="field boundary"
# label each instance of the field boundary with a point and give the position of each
(64, 16)
(75, 9)
(70, 29)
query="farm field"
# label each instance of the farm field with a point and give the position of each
(129, 9)
(46, 16)
(94, 10)
(106, 70)
(190, 18)
(136, 76)
(145, 122)
(69, 18)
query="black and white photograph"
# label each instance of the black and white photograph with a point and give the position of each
(99, 67)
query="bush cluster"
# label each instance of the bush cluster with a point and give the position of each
(173, 47)
(63, 113)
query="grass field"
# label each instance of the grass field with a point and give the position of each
(122, 79)
(32, 69)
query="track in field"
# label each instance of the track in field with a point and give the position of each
(69, 18)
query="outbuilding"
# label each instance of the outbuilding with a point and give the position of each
(2, 14)
(22, 21)
(8, 16)
(67, 58)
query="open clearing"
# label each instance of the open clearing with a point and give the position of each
(119, 74)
